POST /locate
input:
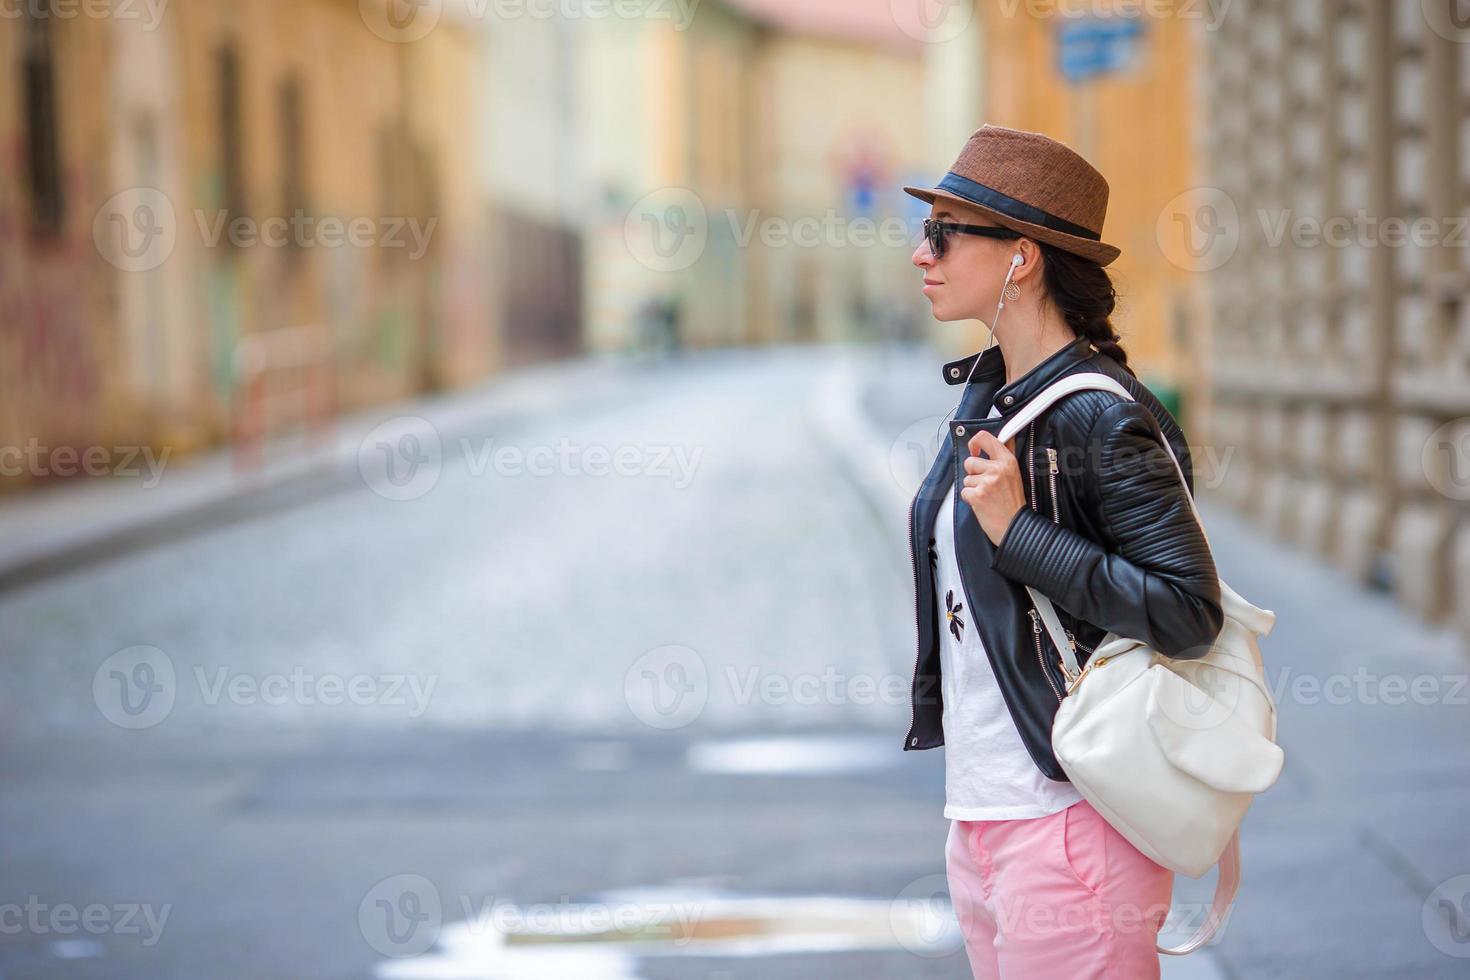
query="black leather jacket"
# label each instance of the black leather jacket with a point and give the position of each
(1107, 535)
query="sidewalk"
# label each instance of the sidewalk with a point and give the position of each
(1357, 862)
(46, 531)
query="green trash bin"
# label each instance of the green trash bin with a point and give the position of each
(1170, 396)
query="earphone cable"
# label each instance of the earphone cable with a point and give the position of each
(1016, 261)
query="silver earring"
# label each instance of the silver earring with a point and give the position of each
(1012, 292)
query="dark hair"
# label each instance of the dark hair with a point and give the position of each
(1083, 293)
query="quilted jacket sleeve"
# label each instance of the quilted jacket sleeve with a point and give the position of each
(1160, 584)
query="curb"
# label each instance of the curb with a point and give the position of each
(52, 531)
(847, 432)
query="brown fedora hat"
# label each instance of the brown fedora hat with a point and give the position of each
(1033, 184)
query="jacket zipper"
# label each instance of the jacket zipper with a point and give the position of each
(918, 616)
(1040, 659)
(1051, 455)
(1035, 615)
(1051, 471)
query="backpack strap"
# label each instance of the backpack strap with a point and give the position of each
(1084, 381)
(1228, 868)
(1058, 389)
(1226, 885)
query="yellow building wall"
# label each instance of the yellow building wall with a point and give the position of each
(373, 136)
(58, 340)
(443, 72)
(820, 103)
(668, 148)
(1138, 127)
(93, 352)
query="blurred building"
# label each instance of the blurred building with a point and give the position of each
(668, 128)
(537, 182)
(1339, 145)
(498, 186)
(1120, 87)
(743, 192)
(837, 96)
(1290, 188)
(236, 199)
(61, 328)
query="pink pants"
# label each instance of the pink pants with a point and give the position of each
(1064, 895)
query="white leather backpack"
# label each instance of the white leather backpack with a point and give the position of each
(1171, 752)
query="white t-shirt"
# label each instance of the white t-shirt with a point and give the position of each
(988, 774)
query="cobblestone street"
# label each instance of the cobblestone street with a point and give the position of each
(452, 671)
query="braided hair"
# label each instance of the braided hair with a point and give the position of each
(1083, 293)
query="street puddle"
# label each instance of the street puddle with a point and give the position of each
(808, 755)
(607, 940)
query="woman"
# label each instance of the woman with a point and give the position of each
(1083, 505)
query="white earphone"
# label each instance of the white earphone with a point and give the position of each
(1017, 261)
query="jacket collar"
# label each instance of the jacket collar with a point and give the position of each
(1011, 397)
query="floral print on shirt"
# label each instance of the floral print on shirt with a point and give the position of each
(952, 612)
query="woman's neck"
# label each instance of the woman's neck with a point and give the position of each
(1030, 341)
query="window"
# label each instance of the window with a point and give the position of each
(231, 148)
(43, 156)
(390, 179)
(293, 167)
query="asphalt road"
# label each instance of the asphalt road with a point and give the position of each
(644, 659)
(472, 670)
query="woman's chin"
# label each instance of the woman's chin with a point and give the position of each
(941, 312)
(949, 312)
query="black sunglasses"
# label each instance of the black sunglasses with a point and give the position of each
(936, 231)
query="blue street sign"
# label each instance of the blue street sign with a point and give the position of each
(1096, 46)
